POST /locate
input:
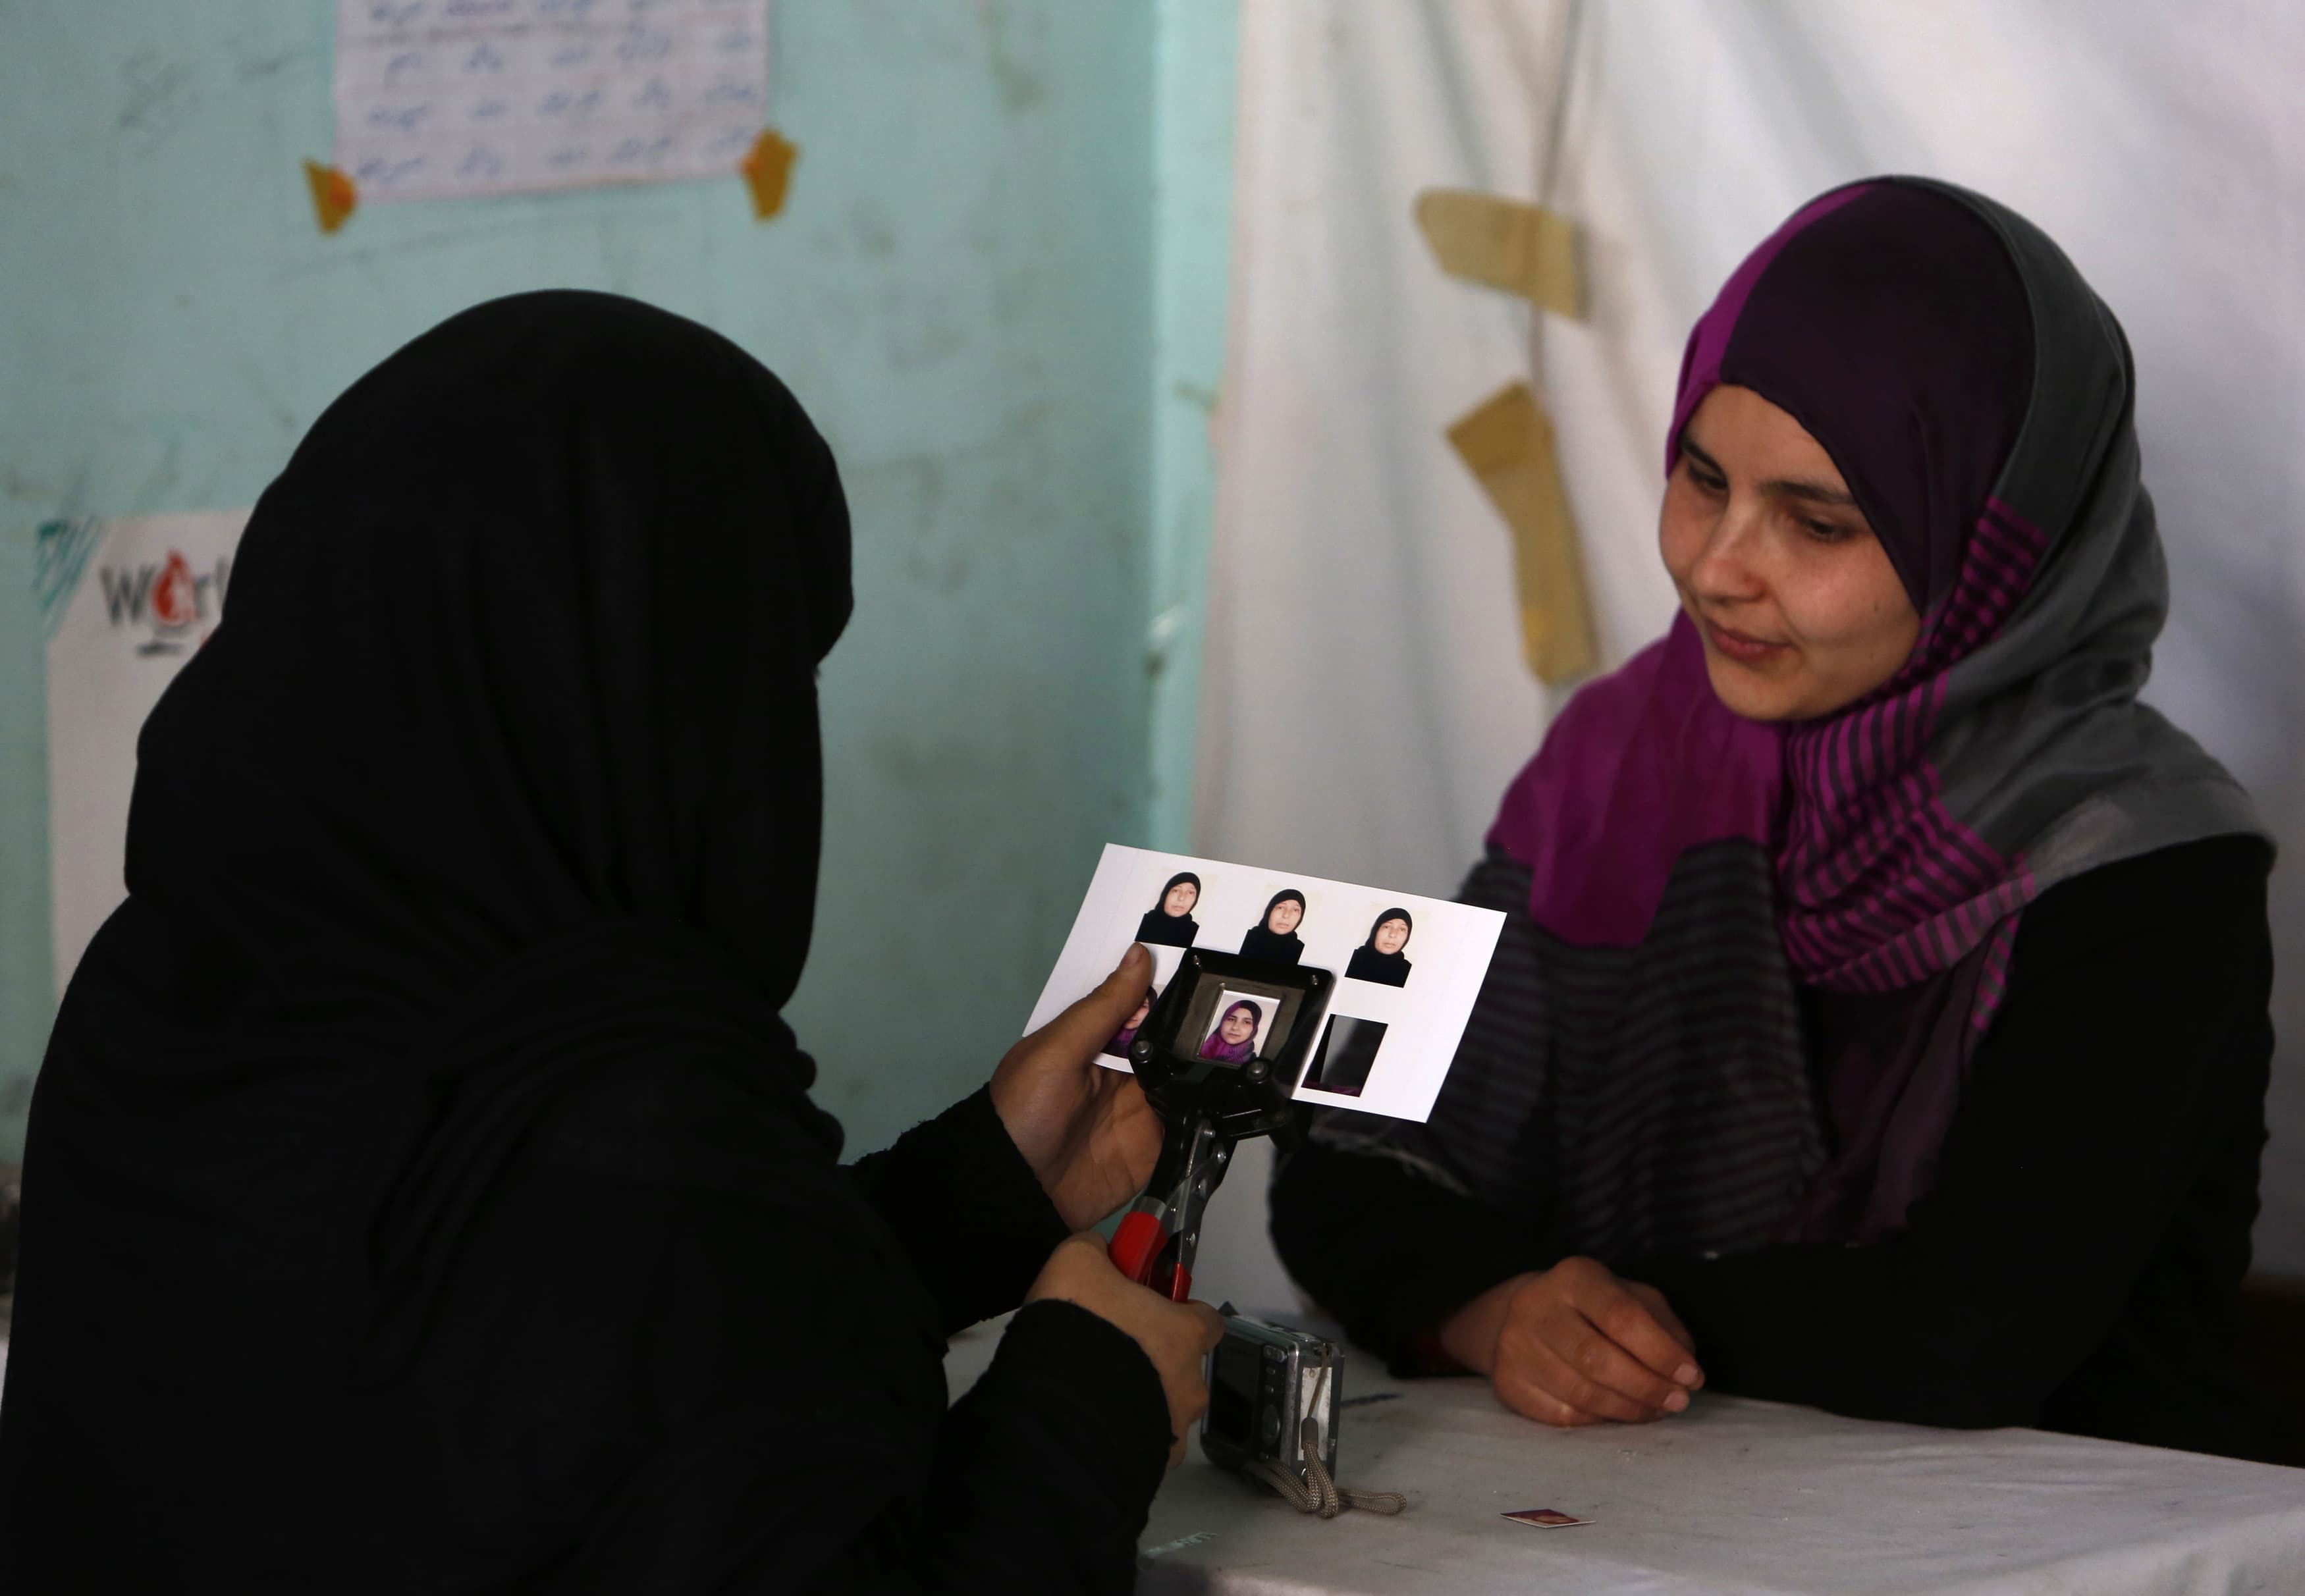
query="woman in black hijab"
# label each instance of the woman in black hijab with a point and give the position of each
(1170, 921)
(1274, 939)
(423, 1192)
(1379, 959)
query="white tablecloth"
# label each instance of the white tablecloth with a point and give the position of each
(1734, 1497)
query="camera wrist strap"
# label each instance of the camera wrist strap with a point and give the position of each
(1318, 1491)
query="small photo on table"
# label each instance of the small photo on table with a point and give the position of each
(1347, 1053)
(1546, 1518)
(1380, 959)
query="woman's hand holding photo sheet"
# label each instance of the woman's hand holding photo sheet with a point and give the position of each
(1410, 967)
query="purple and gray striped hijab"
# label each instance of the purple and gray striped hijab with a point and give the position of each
(1637, 1079)
(1979, 399)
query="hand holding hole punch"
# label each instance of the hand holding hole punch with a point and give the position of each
(1178, 1336)
(1086, 1131)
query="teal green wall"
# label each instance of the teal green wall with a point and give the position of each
(998, 287)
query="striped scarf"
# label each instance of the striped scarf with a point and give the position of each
(1880, 886)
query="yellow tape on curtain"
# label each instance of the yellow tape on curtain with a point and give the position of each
(1507, 444)
(1522, 249)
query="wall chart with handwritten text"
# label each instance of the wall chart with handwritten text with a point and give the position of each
(476, 96)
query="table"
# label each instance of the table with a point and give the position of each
(1734, 1497)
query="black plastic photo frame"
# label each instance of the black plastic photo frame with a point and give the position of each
(1247, 1099)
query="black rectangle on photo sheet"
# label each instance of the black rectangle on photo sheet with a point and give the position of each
(1347, 1053)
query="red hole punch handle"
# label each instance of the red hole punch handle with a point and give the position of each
(1137, 1245)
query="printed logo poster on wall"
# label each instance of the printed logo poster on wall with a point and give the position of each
(484, 96)
(126, 603)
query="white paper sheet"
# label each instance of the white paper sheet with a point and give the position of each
(127, 602)
(479, 97)
(1402, 1037)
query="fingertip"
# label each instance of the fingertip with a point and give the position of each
(1136, 954)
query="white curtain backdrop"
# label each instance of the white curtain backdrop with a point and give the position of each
(1364, 700)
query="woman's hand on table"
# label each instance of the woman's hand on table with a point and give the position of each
(1086, 1131)
(1575, 1345)
(1178, 1336)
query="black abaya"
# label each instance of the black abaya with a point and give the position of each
(423, 1192)
(1167, 930)
(1274, 948)
(1388, 969)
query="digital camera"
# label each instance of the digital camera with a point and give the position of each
(1266, 1383)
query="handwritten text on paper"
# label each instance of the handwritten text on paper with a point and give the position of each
(477, 96)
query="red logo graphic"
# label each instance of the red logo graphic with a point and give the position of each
(173, 604)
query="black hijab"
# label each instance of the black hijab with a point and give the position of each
(1390, 969)
(1275, 947)
(502, 774)
(1172, 931)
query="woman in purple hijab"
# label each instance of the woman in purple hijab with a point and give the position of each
(1233, 1038)
(1124, 1037)
(1881, 1021)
